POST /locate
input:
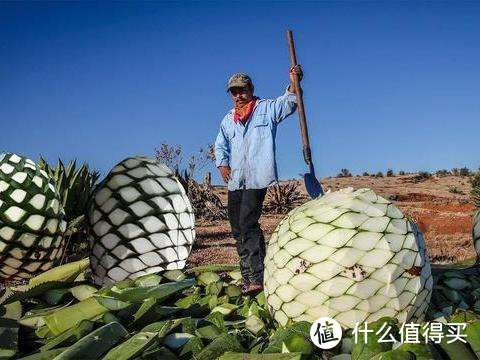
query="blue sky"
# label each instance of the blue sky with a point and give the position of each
(387, 84)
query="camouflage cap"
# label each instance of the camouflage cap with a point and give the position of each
(239, 80)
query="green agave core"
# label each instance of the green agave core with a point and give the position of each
(32, 220)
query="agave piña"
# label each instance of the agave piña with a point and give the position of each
(31, 218)
(142, 222)
(350, 255)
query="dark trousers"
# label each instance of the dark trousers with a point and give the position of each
(244, 210)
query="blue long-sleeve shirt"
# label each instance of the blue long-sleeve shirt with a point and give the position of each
(250, 150)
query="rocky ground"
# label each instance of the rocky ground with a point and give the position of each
(441, 206)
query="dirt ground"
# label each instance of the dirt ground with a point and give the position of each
(441, 206)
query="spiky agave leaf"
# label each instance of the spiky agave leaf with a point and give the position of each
(75, 185)
(476, 233)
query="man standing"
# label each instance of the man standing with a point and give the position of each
(245, 157)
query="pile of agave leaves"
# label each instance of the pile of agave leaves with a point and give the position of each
(199, 314)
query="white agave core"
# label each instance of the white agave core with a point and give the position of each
(350, 255)
(32, 220)
(142, 222)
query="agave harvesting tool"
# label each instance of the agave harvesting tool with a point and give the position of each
(313, 186)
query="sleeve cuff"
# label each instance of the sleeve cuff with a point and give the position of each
(223, 162)
(288, 92)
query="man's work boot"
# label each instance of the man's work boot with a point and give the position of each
(252, 289)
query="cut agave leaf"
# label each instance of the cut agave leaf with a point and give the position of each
(362, 350)
(208, 332)
(132, 347)
(45, 355)
(223, 299)
(109, 317)
(188, 301)
(43, 332)
(213, 268)
(220, 346)
(473, 337)
(31, 291)
(174, 275)
(110, 303)
(176, 340)
(36, 317)
(421, 351)
(214, 288)
(189, 325)
(225, 309)
(159, 353)
(82, 292)
(235, 275)
(462, 316)
(254, 324)
(13, 310)
(95, 344)
(8, 338)
(63, 273)
(148, 280)
(243, 356)
(163, 328)
(233, 291)
(192, 346)
(297, 343)
(159, 292)
(55, 296)
(68, 317)
(216, 318)
(282, 335)
(70, 336)
(394, 355)
(208, 277)
(150, 311)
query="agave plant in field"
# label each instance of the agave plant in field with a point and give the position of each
(350, 255)
(281, 198)
(475, 193)
(75, 186)
(142, 222)
(32, 219)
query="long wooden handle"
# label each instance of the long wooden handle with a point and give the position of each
(307, 155)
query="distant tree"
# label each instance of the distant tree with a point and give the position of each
(464, 171)
(170, 155)
(442, 173)
(379, 174)
(455, 172)
(173, 156)
(422, 176)
(365, 174)
(344, 173)
(455, 190)
(390, 173)
(475, 182)
(401, 172)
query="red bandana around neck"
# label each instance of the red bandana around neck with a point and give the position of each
(241, 113)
